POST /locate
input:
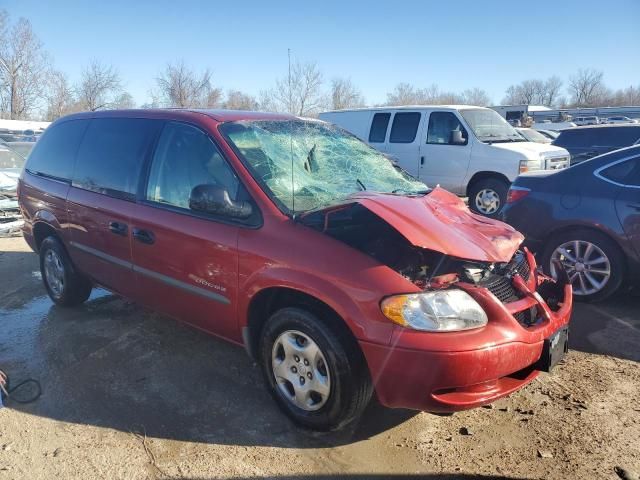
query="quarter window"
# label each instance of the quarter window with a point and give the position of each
(112, 153)
(405, 127)
(55, 152)
(625, 173)
(185, 158)
(379, 126)
(441, 128)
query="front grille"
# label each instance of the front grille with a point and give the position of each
(501, 285)
(557, 163)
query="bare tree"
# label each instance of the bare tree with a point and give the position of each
(99, 86)
(179, 86)
(406, 94)
(60, 99)
(587, 88)
(237, 100)
(344, 94)
(551, 92)
(476, 96)
(23, 65)
(534, 92)
(626, 97)
(299, 93)
(124, 100)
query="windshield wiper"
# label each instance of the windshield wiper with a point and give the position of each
(361, 185)
(309, 163)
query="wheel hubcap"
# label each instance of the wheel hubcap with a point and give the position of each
(487, 201)
(300, 370)
(586, 264)
(54, 272)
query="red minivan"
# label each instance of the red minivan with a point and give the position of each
(339, 273)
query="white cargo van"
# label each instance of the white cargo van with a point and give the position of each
(471, 151)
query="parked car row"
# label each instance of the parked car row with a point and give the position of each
(584, 143)
(595, 120)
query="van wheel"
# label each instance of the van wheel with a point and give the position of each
(594, 263)
(65, 286)
(488, 196)
(317, 378)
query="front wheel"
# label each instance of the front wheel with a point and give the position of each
(488, 196)
(316, 375)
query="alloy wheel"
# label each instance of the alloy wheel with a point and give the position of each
(487, 201)
(54, 272)
(300, 370)
(588, 267)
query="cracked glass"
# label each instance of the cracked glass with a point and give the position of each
(307, 164)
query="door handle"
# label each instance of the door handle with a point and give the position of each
(118, 228)
(422, 160)
(144, 236)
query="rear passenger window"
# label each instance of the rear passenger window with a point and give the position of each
(185, 158)
(618, 136)
(405, 127)
(112, 153)
(575, 138)
(55, 152)
(379, 127)
(625, 173)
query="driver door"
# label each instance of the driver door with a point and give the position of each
(186, 262)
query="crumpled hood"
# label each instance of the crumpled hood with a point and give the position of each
(442, 222)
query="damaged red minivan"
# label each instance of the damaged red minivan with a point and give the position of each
(340, 274)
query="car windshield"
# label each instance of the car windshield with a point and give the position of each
(534, 136)
(306, 164)
(490, 127)
(10, 159)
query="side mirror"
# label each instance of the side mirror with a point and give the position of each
(457, 138)
(216, 200)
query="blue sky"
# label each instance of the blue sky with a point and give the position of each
(457, 45)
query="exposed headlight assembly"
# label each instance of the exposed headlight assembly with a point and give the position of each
(437, 311)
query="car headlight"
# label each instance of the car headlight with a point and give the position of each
(529, 165)
(438, 311)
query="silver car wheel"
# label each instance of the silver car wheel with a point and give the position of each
(487, 201)
(300, 370)
(588, 267)
(54, 273)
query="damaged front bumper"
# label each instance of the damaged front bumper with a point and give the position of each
(447, 372)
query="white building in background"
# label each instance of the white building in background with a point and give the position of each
(22, 125)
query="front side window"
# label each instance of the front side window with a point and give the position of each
(405, 127)
(304, 164)
(442, 126)
(112, 153)
(185, 158)
(490, 127)
(379, 126)
(55, 153)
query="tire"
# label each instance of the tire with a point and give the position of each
(602, 247)
(64, 284)
(345, 375)
(495, 186)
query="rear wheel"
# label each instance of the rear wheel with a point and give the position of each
(594, 263)
(64, 284)
(487, 196)
(316, 375)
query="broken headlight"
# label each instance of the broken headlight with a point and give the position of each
(437, 311)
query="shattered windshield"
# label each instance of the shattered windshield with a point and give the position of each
(308, 164)
(490, 127)
(10, 159)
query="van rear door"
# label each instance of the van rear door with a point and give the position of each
(403, 144)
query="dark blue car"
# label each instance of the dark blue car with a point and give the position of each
(584, 143)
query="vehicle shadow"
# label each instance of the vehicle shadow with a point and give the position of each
(111, 363)
(374, 476)
(610, 328)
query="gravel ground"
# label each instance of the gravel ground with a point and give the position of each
(130, 394)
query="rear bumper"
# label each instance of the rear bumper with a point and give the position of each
(443, 372)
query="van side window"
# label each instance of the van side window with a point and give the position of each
(184, 158)
(379, 125)
(55, 153)
(112, 153)
(405, 127)
(441, 128)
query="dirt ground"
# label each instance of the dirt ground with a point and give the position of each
(131, 394)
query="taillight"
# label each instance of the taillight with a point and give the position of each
(517, 193)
